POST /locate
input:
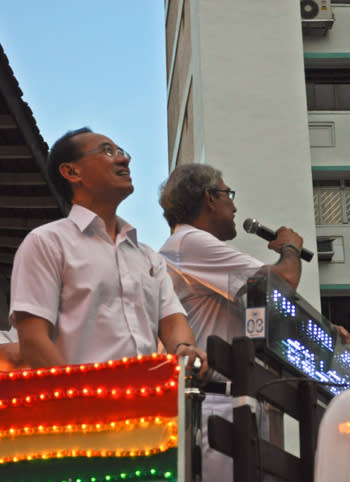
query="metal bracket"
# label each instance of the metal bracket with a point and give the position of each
(245, 400)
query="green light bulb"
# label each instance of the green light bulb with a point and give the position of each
(167, 475)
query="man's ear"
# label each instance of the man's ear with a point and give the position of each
(70, 171)
(209, 200)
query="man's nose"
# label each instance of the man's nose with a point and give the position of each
(122, 158)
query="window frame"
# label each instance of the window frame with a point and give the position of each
(332, 77)
(340, 185)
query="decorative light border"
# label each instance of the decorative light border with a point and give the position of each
(151, 474)
(59, 454)
(142, 422)
(95, 391)
(85, 368)
(88, 391)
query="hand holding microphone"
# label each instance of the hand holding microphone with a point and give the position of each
(279, 238)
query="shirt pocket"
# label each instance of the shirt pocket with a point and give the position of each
(148, 289)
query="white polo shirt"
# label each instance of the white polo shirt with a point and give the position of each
(200, 266)
(104, 298)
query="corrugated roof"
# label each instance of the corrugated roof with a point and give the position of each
(27, 198)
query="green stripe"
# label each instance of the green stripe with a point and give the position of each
(335, 287)
(326, 55)
(84, 468)
(330, 168)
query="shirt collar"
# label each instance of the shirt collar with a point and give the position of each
(183, 227)
(126, 230)
(83, 218)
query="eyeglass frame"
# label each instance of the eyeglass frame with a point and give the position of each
(230, 194)
(102, 147)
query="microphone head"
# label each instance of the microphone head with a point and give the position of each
(251, 225)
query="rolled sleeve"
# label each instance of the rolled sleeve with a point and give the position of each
(36, 279)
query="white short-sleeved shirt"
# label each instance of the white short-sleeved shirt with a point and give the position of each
(104, 298)
(200, 266)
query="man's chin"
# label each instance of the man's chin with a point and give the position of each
(228, 236)
(233, 234)
(124, 193)
(129, 190)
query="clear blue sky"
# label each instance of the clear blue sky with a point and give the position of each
(98, 63)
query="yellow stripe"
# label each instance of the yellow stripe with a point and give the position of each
(136, 437)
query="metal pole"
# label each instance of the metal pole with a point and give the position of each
(194, 397)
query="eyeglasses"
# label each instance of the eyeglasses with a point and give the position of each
(108, 150)
(231, 194)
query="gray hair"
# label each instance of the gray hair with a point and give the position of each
(181, 195)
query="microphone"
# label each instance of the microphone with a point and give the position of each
(254, 227)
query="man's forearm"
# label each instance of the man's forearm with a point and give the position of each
(174, 330)
(177, 337)
(289, 244)
(36, 346)
(289, 266)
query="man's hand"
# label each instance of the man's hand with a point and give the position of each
(10, 357)
(193, 352)
(286, 236)
(344, 334)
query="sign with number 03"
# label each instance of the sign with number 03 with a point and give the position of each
(255, 322)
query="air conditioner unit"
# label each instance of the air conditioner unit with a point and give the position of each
(317, 16)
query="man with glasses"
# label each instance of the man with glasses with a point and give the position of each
(200, 210)
(84, 289)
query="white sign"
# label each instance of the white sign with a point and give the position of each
(255, 322)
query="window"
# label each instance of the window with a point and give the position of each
(337, 309)
(332, 202)
(328, 89)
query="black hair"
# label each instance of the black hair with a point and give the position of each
(64, 150)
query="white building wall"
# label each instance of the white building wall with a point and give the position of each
(331, 138)
(255, 117)
(331, 157)
(331, 160)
